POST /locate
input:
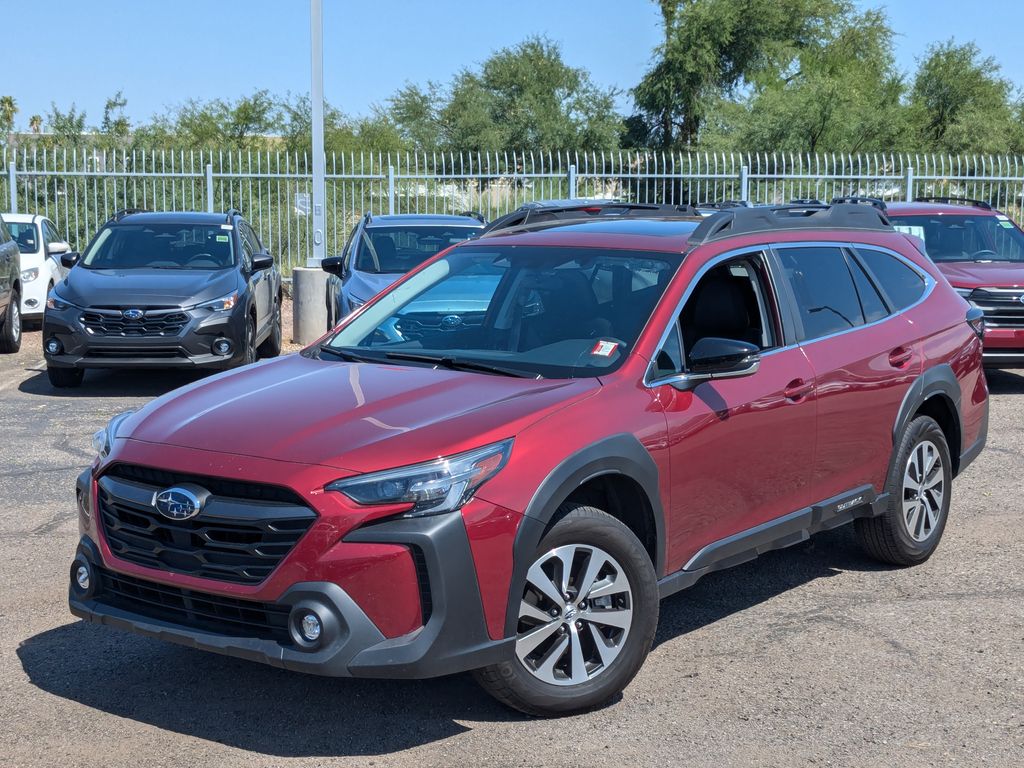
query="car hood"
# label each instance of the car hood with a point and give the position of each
(145, 287)
(358, 417)
(969, 274)
(365, 285)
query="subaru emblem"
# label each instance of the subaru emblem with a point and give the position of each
(133, 314)
(180, 502)
(450, 322)
(1021, 298)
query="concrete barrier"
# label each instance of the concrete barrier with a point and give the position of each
(309, 304)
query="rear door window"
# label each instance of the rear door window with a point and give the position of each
(901, 284)
(871, 301)
(824, 290)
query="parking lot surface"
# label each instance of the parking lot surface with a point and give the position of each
(813, 655)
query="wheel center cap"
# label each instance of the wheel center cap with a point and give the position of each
(570, 612)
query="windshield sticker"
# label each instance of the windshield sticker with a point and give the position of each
(222, 238)
(909, 230)
(227, 226)
(1006, 224)
(1002, 217)
(605, 348)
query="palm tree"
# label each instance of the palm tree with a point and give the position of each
(35, 123)
(8, 109)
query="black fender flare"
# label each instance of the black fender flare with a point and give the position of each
(620, 454)
(939, 381)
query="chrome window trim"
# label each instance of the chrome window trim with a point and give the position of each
(929, 282)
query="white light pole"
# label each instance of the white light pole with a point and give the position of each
(316, 95)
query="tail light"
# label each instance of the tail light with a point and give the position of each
(976, 319)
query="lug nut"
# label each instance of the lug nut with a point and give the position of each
(554, 611)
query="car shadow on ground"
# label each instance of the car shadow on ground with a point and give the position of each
(253, 707)
(1005, 381)
(113, 383)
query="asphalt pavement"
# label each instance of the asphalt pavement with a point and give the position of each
(814, 655)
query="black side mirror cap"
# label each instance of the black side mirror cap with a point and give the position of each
(69, 259)
(718, 356)
(333, 265)
(262, 261)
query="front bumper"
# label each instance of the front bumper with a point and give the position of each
(454, 638)
(191, 347)
(1003, 348)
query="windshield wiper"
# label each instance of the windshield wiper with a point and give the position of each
(461, 364)
(349, 357)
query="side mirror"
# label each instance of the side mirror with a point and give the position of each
(54, 249)
(69, 259)
(715, 358)
(333, 265)
(262, 261)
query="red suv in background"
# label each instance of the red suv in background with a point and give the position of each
(505, 460)
(981, 252)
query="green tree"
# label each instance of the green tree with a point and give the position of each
(35, 124)
(521, 97)
(8, 109)
(115, 128)
(67, 128)
(960, 102)
(842, 93)
(711, 49)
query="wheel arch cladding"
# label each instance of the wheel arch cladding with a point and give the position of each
(614, 470)
(935, 393)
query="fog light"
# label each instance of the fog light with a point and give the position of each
(82, 578)
(310, 627)
(53, 346)
(222, 347)
(32, 303)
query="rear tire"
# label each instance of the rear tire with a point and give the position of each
(578, 653)
(10, 333)
(64, 378)
(271, 346)
(919, 487)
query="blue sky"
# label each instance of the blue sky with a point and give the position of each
(163, 53)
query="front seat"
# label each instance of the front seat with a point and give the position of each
(720, 308)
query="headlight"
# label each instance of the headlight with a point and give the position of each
(433, 487)
(28, 275)
(222, 304)
(103, 439)
(53, 301)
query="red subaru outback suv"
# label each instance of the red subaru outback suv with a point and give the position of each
(504, 461)
(981, 252)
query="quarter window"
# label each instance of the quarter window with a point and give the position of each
(870, 300)
(824, 290)
(901, 284)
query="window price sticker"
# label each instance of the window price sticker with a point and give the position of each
(605, 348)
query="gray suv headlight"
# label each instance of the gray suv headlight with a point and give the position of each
(432, 487)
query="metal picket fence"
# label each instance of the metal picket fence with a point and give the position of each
(80, 189)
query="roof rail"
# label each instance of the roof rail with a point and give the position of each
(722, 205)
(872, 201)
(745, 221)
(524, 218)
(805, 201)
(229, 213)
(118, 215)
(956, 201)
(473, 215)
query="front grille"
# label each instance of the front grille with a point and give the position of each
(243, 532)
(415, 325)
(156, 322)
(197, 610)
(1003, 308)
(132, 353)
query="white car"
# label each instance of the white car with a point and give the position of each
(41, 247)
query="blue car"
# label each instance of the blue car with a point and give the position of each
(380, 249)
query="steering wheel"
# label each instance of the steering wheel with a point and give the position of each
(983, 252)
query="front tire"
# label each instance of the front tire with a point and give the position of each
(271, 346)
(587, 618)
(249, 349)
(64, 378)
(10, 333)
(919, 487)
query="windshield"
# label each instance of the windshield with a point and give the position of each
(965, 238)
(529, 311)
(396, 250)
(161, 246)
(26, 235)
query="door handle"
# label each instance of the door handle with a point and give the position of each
(797, 389)
(900, 357)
